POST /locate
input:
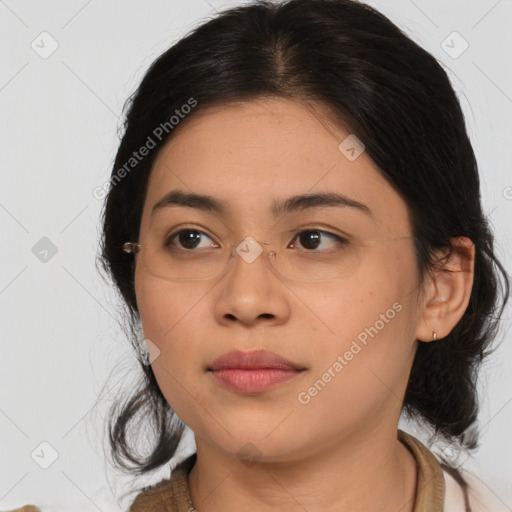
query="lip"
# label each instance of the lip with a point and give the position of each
(253, 372)
(254, 360)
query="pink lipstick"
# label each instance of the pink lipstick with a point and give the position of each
(253, 372)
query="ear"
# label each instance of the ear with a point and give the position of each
(447, 289)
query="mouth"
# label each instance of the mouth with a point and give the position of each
(253, 372)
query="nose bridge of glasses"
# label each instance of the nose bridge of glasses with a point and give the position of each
(249, 249)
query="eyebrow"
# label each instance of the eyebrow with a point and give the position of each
(279, 207)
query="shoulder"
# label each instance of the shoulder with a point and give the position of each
(168, 495)
(483, 494)
(454, 490)
(152, 498)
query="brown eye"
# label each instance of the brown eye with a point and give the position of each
(311, 239)
(189, 239)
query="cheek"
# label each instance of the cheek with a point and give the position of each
(371, 318)
(358, 312)
(168, 312)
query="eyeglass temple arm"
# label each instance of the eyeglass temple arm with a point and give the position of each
(131, 247)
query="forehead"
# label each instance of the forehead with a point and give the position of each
(250, 154)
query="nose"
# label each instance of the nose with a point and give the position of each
(251, 292)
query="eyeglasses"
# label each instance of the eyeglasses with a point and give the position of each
(181, 257)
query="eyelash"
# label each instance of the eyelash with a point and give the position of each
(338, 239)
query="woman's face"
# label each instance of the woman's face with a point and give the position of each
(353, 337)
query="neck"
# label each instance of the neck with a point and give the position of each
(361, 473)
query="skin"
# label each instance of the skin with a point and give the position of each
(341, 447)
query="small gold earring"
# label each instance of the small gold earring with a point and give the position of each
(434, 335)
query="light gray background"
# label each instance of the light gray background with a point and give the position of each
(59, 121)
